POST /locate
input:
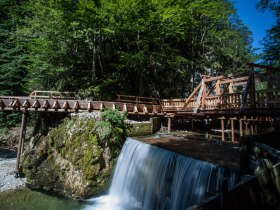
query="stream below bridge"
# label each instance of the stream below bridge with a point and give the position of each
(146, 177)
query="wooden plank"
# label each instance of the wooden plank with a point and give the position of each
(239, 83)
(211, 79)
(198, 99)
(217, 87)
(246, 91)
(192, 95)
(21, 143)
(138, 99)
(239, 79)
(169, 124)
(223, 127)
(232, 128)
(203, 97)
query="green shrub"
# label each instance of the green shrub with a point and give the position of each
(112, 126)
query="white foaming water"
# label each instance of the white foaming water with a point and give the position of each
(150, 178)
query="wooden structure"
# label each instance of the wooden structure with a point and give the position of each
(245, 99)
(53, 101)
(255, 93)
(11, 103)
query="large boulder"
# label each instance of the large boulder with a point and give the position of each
(76, 158)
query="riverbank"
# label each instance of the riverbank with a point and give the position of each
(7, 172)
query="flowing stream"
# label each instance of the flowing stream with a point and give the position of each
(150, 178)
(145, 178)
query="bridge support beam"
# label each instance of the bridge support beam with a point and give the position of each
(240, 127)
(169, 122)
(20, 148)
(232, 128)
(223, 127)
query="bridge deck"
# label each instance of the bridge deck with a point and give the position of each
(12, 103)
(252, 93)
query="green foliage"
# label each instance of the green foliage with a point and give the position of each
(13, 58)
(271, 42)
(12, 51)
(8, 120)
(112, 127)
(99, 48)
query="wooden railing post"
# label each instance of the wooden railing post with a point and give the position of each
(223, 127)
(232, 128)
(169, 124)
(241, 127)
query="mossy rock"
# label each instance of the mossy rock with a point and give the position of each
(72, 160)
(140, 129)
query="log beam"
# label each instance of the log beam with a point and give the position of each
(20, 148)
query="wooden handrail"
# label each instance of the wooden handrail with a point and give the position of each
(138, 99)
(52, 94)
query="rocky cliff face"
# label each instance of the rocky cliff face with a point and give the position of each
(73, 160)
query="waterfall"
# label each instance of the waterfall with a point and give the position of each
(150, 178)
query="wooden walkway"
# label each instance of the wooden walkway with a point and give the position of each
(247, 99)
(254, 93)
(139, 106)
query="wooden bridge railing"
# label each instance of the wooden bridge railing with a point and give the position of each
(268, 98)
(138, 99)
(264, 99)
(172, 104)
(39, 94)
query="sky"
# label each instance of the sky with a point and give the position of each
(256, 21)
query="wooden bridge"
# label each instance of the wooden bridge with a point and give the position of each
(246, 99)
(256, 93)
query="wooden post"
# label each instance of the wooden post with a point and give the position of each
(169, 124)
(246, 125)
(204, 94)
(223, 128)
(232, 128)
(252, 93)
(217, 87)
(21, 142)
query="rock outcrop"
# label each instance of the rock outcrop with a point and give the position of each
(74, 159)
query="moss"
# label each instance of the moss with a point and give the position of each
(82, 152)
(140, 129)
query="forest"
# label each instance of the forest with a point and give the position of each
(100, 48)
